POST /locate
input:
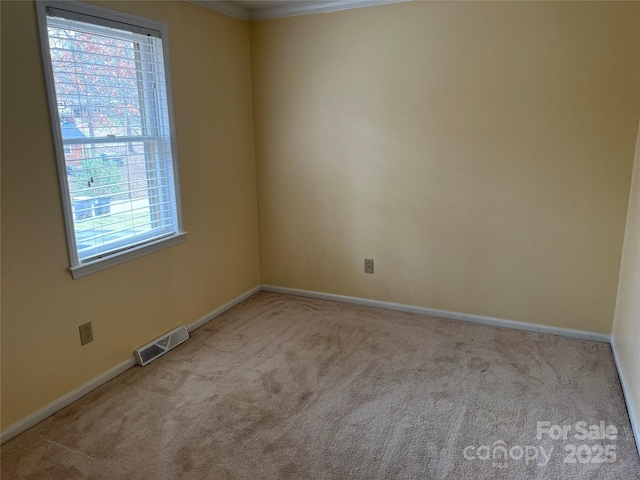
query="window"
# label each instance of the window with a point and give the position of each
(110, 101)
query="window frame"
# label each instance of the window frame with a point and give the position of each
(77, 268)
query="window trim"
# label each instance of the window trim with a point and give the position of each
(80, 269)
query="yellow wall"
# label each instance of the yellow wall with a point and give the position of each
(132, 303)
(626, 328)
(480, 152)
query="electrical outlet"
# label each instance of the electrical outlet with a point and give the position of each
(86, 333)
(368, 265)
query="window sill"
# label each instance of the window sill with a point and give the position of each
(122, 257)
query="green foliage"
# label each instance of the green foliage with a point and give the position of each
(97, 177)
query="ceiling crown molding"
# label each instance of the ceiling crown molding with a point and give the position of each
(307, 8)
(292, 9)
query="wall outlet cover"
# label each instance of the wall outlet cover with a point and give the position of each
(368, 265)
(86, 333)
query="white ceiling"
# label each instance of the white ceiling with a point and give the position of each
(266, 9)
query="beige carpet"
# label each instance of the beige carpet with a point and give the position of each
(284, 387)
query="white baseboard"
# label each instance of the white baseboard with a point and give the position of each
(220, 310)
(465, 317)
(58, 404)
(635, 426)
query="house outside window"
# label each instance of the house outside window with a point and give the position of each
(110, 101)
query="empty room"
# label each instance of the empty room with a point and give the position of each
(368, 239)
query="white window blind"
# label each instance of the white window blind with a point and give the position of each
(113, 116)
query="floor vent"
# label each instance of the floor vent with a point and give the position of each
(162, 345)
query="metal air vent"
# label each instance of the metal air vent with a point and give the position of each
(161, 345)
